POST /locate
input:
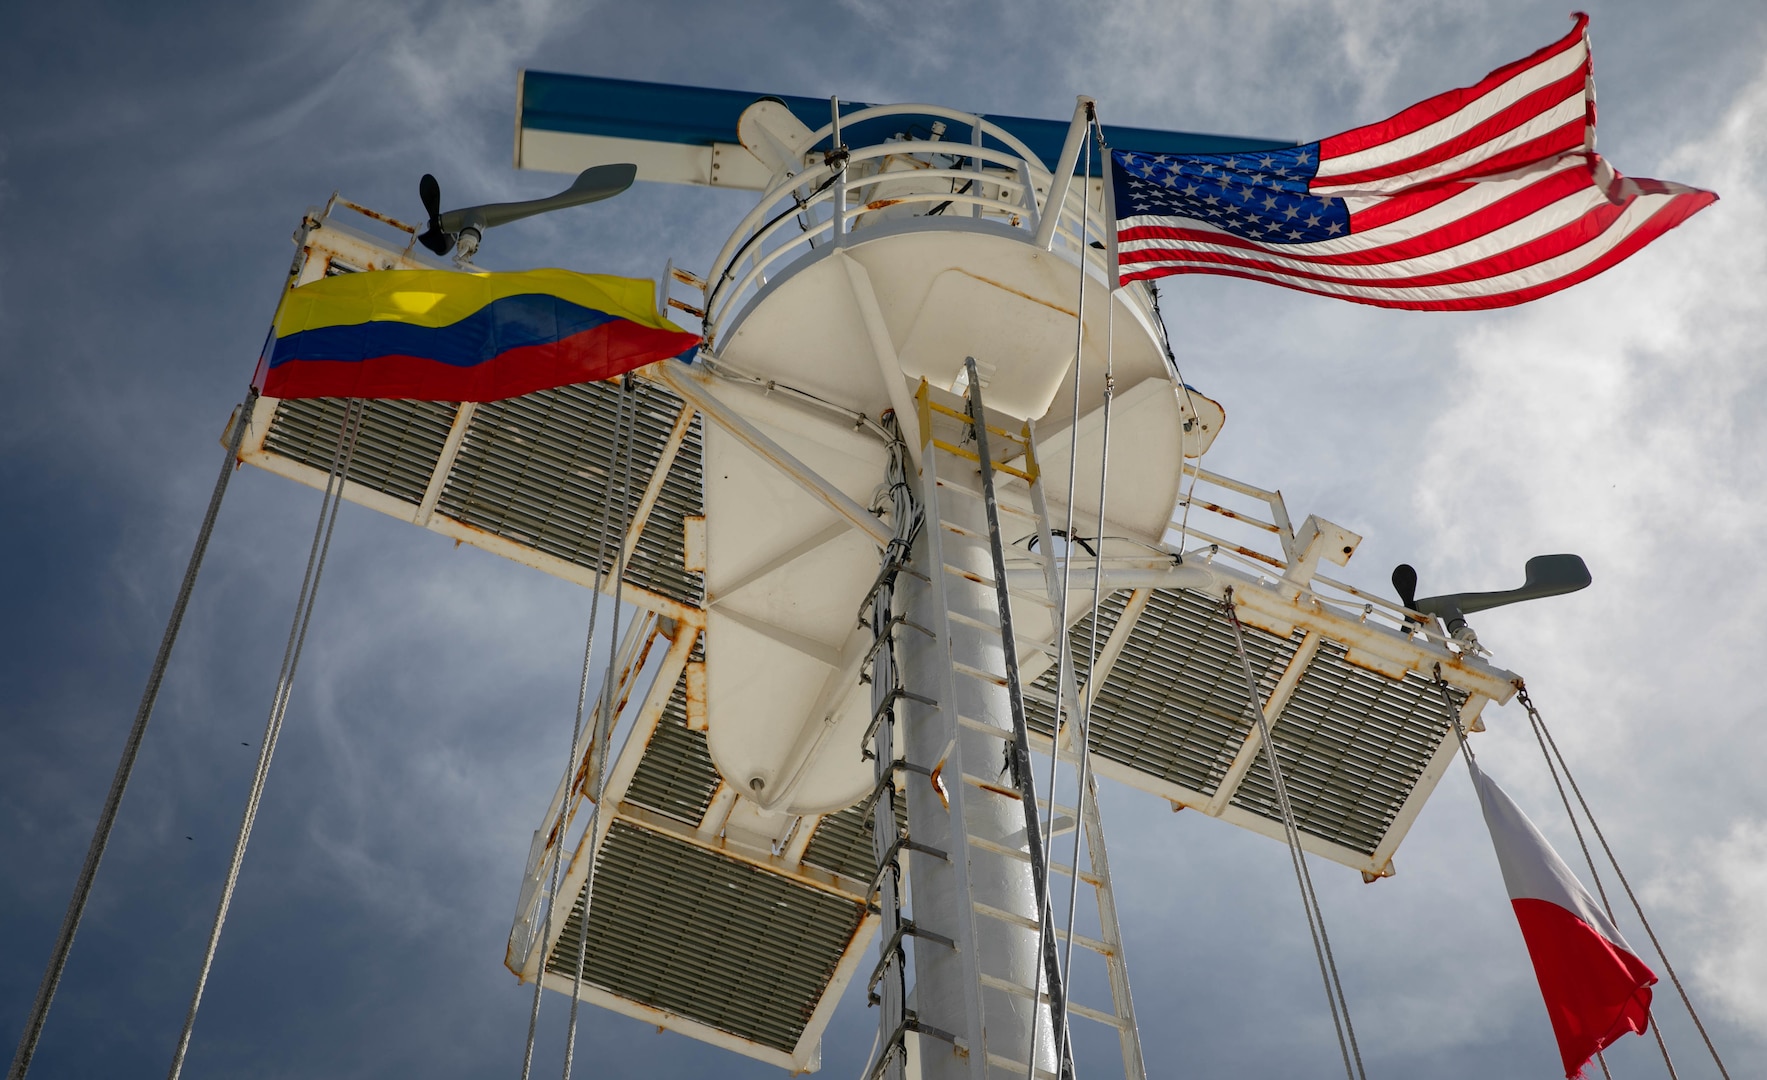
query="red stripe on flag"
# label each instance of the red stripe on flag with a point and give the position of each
(1425, 113)
(1451, 234)
(1671, 215)
(1594, 991)
(603, 352)
(1568, 237)
(1397, 207)
(1540, 101)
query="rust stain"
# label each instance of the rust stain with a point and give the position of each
(386, 219)
(686, 278)
(1258, 555)
(689, 308)
(879, 204)
(1069, 312)
(998, 790)
(696, 695)
(1234, 514)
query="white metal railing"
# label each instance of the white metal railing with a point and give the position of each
(896, 182)
(1268, 565)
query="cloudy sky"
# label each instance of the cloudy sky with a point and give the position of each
(156, 157)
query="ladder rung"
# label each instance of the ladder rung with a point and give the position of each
(973, 493)
(1025, 857)
(971, 455)
(1024, 643)
(1016, 557)
(1040, 599)
(1005, 792)
(978, 673)
(1074, 1007)
(1016, 1067)
(969, 421)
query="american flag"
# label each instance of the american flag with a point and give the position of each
(1477, 198)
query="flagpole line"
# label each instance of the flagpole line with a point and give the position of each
(603, 733)
(1334, 993)
(107, 816)
(1064, 647)
(571, 766)
(355, 411)
(1589, 860)
(1083, 768)
(1595, 826)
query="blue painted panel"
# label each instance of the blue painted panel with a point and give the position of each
(697, 116)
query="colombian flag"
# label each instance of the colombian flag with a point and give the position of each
(443, 335)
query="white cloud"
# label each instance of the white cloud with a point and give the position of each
(1722, 899)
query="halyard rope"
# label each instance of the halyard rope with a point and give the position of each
(1544, 737)
(349, 429)
(107, 817)
(1084, 720)
(604, 725)
(1064, 648)
(1328, 971)
(571, 766)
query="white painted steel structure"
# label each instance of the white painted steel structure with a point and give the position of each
(736, 862)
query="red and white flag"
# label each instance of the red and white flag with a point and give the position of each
(1482, 197)
(1596, 988)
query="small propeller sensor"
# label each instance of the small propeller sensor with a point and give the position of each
(466, 226)
(433, 237)
(1545, 575)
(1405, 584)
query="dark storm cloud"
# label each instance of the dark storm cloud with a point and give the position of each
(155, 160)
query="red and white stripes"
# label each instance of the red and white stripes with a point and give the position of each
(1482, 197)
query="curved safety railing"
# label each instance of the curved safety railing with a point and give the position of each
(904, 183)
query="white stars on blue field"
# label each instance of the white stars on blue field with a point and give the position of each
(1260, 195)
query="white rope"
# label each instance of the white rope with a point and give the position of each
(1084, 721)
(561, 823)
(1328, 971)
(1544, 737)
(1153, 291)
(107, 817)
(603, 734)
(1064, 649)
(354, 412)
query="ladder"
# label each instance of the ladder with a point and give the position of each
(958, 466)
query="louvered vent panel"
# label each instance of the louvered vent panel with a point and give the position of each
(842, 843)
(678, 928)
(396, 451)
(1353, 744)
(675, 776)
(1174, 705)
(536, 470)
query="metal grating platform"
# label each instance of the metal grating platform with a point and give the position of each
(396, 452)
(1353, 745)
(532, 471)
(1171, 717)
(678, 928)
(535, 470)
(842, 843)
(1174, 705)
(675, 777)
